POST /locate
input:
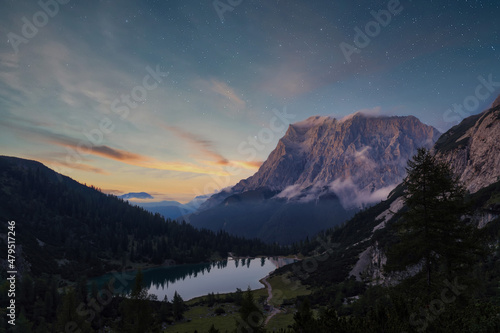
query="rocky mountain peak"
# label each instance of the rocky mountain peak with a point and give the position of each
(322, 171)
(358, 153)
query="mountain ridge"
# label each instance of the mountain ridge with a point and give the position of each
(323, 135)
(320, 161)
(136, 195)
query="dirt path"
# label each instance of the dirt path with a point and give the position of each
(274, 311)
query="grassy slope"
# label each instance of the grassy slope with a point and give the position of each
(202, 316)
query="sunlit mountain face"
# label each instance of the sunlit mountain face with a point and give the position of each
(184, 98)
(321, 172)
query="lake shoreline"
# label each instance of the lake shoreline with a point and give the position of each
(198, 280)
(151, 266)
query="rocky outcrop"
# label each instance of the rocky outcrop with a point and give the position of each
(369, 266)
(472, 148)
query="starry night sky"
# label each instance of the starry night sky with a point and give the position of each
(212, 84)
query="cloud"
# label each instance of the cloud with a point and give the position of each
(289, 80)
(178, 166)
(290, 192)
(362, 157)
(82, 147)
(112, 191)
(204, 146)
(361, 154)
(301, 194)
(371, 113)
(78, 150)
(250, 165)
(226, 91)
(117, 154)
(141, 160)
(352, 196)
(76, 166)
(220, 96)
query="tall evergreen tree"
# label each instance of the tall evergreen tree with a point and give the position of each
(213, 329)
(178, 306)
(251, 316)
(304, 319)
(136, 309)
(432, 231)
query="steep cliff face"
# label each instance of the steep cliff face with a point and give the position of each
(367, 153)
(473, 148)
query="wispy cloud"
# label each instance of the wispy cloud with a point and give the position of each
(180, 166)
(351, 195)
(250, 165)
(118, 154)
(76, 166)
(220, 96)
(206, 147)
(291, 78)
(77, 148)
(226, 91)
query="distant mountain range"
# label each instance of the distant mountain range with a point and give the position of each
(169, 209)
(321, 172)
(134, 195)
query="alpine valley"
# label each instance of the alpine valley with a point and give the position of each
(230, 166)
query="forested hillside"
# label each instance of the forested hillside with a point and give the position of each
(66, 228)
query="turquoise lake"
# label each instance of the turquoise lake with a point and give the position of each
(195, 280)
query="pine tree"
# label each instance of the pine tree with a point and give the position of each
(251, 316)
(81, 289)
(135, 309)
(213, 329)
(432, 231)
(304, 319)
(329, 321)
(178, 306)
(238, 296)
(164, 310)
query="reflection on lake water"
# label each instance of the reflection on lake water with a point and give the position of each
(200, 279)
